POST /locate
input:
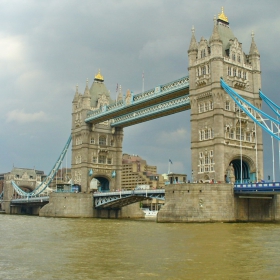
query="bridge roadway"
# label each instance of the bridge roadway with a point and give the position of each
(160, 101)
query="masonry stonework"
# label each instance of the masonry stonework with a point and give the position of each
(222, 136)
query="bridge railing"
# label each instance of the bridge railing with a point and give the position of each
(260, 186)
(136, 192)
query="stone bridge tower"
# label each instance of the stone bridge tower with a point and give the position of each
(226, 145)
(96, 148)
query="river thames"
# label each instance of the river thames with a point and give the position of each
(56, 248)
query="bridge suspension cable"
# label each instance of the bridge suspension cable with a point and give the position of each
(265, 121)
(274, 107)
(40, 188)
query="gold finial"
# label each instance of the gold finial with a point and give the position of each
(99, 76)
(222, 16)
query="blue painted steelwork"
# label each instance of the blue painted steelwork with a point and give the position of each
(257, 187)
(39, 189)
(161, 91)
(108, 199)
(1, 194)
(152, 111)
(38, 199)
(261, 118)
(274, 107)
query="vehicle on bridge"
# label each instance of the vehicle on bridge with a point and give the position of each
(142, 187)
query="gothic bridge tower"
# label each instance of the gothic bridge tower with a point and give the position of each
(96, 149)
(226, 145)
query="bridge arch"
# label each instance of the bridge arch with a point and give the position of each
(99, 182)
(246, 167)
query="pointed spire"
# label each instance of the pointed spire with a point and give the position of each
(76, 94)
(253, 48)
(193, 43)
(120, 96)
(86, 92)
(215, 34)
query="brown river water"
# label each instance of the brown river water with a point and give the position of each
(55, 248)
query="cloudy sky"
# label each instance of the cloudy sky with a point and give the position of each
(47, 47)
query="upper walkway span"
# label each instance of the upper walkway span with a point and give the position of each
(160, 101)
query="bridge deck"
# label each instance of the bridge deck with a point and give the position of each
(149, 99)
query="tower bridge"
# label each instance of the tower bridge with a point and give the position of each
(226, 144)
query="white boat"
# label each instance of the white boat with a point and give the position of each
(149, 213)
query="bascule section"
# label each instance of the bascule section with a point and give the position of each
(96, 148)
(226, 144)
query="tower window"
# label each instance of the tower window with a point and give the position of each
(102, 140)
(229, 71)
(234, 72)
(203, 53)
(227, 105)
(92, 141)
(203, 70)
(102, 159)
(233, 57)
(206, 106)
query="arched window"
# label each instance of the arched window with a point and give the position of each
(229, 71)
(234, 72)
(233, 57)
(102, 140)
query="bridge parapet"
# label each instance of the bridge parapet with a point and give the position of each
(257, 187)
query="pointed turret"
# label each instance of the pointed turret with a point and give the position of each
(120, 95)
(193, 50)
(215, 41)
(254, 59)
(193, 43)
(86, 92)
(76, 96)
(215, 34)
(253, 48)
(86, 97)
